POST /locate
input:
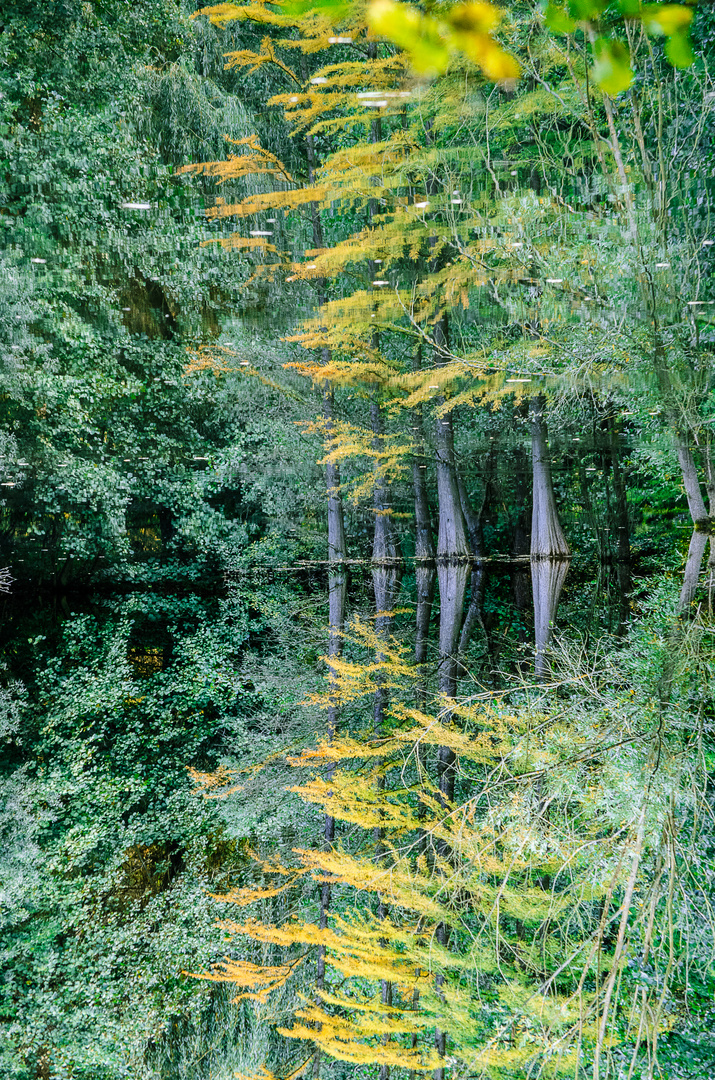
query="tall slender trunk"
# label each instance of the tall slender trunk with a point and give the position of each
(547, 537)
(385, 581)
(425, 578)
(424, 541)
(688, 468)
(452, 542)
(337, 548)
(384, 544)
(547, 579)
(710, 477)
(337, 583)
(472, 518)
(477, 579)
(691, 574)
(452, 589)
(623, 536)
(710, 482)
(691, 482)
(337, 593)
(520, 544)
(691, 578)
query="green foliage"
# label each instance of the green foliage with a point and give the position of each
(163, 515)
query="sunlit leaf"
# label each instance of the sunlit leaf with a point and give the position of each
(419, 35)
(666, 19)
(479, 18)
(430, 42)
(483, 50)
(678, 50)
(558, 19)
(612, 70)
(586, 10)
(333, 10)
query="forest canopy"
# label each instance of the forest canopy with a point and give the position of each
(356, 429)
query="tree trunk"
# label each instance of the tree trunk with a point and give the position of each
(623, 540)
(337, 548)
(472, 520)
(693, 564)
(691, 483)
(337, 593)
(691, 579)
(547, 538)
(520, 544)
(452, 540)
(547, 581)
(424, 581)
(452, 589)
(385, 580)
(424, 540)
(477, 579)
(384, 545)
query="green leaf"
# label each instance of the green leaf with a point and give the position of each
(431, 42)
(334, 10)
(678, 50)
(586, 10)
(558, 19)
(666, 19)
(612, 70)
(414, 32)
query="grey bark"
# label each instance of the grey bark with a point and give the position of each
(710, 478)
(691, 483)
(472, 519)
(689, 472)
(425, 578)
(385, 583)
(547, 537)
(623, 539)
(384, 546)
(452, 542)
(385, 580)
(337, 548)
(337, 593)
(473, 618)
(477, 579)
(691, 579)
(693, 565)
(452, 588)
(547, 581)
(424, 539)
(520, 578)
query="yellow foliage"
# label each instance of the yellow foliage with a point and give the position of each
(257, 981)
(343, 1039)
(266, 1074)
(258, 162)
